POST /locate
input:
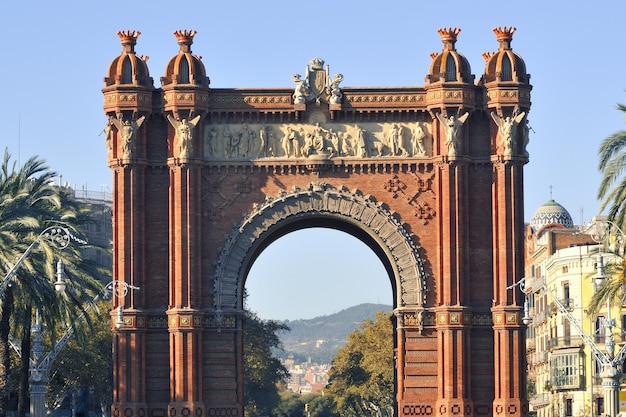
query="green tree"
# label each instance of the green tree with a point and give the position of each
(262, 370)
(612, 190)
(28, 205)
(361, 378)
(87, 364)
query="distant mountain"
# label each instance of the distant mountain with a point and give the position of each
(321, 338)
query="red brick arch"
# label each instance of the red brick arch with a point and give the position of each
(320, 203)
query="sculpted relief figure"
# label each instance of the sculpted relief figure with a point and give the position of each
(247, 141)
(452, 126)
(345, 147)
(507, 128)
(361, 144)
(395, 139)
(291, 143)
(265, 142)
(184, 134)
(210, 143)
(128, 132)
(417, 140)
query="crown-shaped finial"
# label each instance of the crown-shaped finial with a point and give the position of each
(504, 35)
(185, 39)
(487, 56)
(504, 32)
(129, 39)
(449, 34)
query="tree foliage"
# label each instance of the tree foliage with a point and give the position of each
(86, 364)
(29, 204)
(262, 370)
(361, 379)
(612, 190)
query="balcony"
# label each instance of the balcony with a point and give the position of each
(540, 357)
(565, 342)
(540, 400)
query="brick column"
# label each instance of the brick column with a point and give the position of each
(184, 316)
(453, 317)
(508, 266)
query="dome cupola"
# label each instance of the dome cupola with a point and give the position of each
(449, 65)
(129, 68)
(185, 68)
(551, 213)
(128, 86)
(185, 84)
(505, 65)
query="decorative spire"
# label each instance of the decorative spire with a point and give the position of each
(448, 37)
(129, 39)
(504, 35)
(487, 56)
(185, 39)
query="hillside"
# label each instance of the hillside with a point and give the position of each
(321, 337)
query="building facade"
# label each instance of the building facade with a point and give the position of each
(562, 259)
(430, 178)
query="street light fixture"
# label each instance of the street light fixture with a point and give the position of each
(40, 365)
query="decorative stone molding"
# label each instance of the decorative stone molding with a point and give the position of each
(320, 199)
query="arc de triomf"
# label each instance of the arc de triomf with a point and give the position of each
(430, 178)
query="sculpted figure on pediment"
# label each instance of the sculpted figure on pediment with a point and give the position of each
(335, 91)
(302, 89)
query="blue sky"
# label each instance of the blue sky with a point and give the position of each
(55, 55)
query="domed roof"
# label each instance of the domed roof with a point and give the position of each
(129, 68)
(449, 65)
(551, 213)
(504, 65)
(185, 68)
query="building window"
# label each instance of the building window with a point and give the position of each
(568, 407)
(565, 370)
(127, 72)
(183, 71)
(600, 329)
(564, 269)
(507, 72)
(450, 68)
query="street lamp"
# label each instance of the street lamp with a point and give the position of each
(58, 236)
(40, 367)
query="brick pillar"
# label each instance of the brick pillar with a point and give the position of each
(184, 316)
(129, 396)
(452, 314)
(509, 332)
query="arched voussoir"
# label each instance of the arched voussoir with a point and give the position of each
(320, 200)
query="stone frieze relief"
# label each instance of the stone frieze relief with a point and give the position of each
(248, 141)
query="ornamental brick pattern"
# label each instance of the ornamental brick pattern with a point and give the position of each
(428, 177)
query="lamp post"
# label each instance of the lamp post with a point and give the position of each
(601, 231)
(40, 367)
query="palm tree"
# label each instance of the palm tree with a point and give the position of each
(612, 191)
(29, 204)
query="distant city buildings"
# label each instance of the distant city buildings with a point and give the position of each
(306, 377)
(99, 230)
